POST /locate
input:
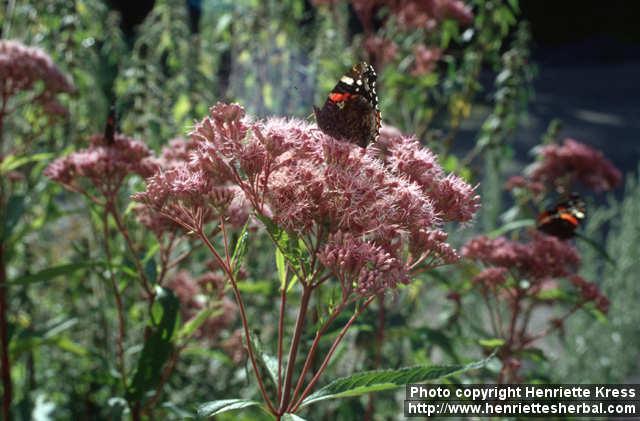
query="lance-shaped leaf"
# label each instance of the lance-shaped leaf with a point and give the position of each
(378, 380)
(209, 409)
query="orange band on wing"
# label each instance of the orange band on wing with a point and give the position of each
(339, 97)
(568, 217)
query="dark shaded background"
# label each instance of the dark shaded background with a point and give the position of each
(588, 57)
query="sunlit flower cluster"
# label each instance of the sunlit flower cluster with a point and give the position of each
(363, 213)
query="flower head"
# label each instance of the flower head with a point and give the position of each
(491, 277)
(590, 292)
(380, 50)
(361, 265)
(574, 161)
(367, 212)
(543, 256)
(193, 298)
(22, 67)
(425, 59)
(188, 196)
(102, 165)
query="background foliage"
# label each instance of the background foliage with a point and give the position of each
(274, 58)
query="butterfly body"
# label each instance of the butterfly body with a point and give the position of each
(110, 126)
(351, 110)
(563, 219)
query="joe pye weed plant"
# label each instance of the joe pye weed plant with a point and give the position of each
(346, 223)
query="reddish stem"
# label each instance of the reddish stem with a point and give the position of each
(293, 350)
(283, 301)
(378, 357)
(125, 234)
(314, 346)
(243, 317)
(326, 360)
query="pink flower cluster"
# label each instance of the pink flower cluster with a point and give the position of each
(103, 165)
(590, 292)
(22, 67)
(410, 15)
(491, 277)
(316, 186)
(190, 189)
(381, 50)
(425, 59)
(414, 14)
(519, 182)
(539, 261)
(542, 257)
(574, 161)
(194, 295)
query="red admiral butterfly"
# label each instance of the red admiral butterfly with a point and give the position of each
(351, 111)
(563, 219)
(110, 126)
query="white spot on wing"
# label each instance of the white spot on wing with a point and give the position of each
(347, 80)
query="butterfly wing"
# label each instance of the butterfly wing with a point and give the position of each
(351, 110)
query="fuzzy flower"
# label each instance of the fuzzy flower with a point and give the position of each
(453, 198)
(454, 9)
(364, 267)
(311, 184)
(187, 196)
(428, 13)
(380, 50)
(155, 221)
(22, 67)
(425, 59)
(520, 182)
(491, 277)
(542, 257)
(193, 298)
(102, 165)
(590, 292)
(574, 161)
(178, 151)
(234, 347)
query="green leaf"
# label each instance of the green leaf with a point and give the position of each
(212, 408)
(511, 226)
(266, 361)
(375, 381)
(196, 321)
(177, 411)
(291, 417)
(291, 247)
(151, 270)
(240, 250)
(12, 162)
(52, 272)
(282, 268)
(158, 346)
(181, 108)
(13, 213)
(255, 287)
(491, 343)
